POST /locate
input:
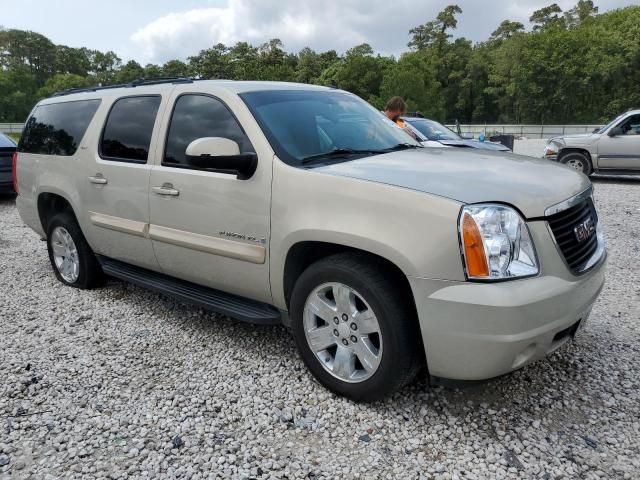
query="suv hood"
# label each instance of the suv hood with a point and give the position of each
(471, 176)
(577, 139)
(475, 144)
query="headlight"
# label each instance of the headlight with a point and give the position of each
(551, 150)
(496, 243)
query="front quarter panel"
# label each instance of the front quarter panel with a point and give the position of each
(414, 230)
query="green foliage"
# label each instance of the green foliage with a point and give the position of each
(547, 17)
(570, 67)
(63, 81)
(506, 30)
(434, 33)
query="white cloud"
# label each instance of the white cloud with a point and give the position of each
(319, 24)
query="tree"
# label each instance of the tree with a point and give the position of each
(547, 17)
(175, 68)
(152, 71)
(71, 60)
(414, 79)
(583, 11)
(311, 64)
(129, 72)
(506, 30)
(275, 63)
(211, 63)
(103, 65)
(359, 72)
(63, 81)
(435, 31)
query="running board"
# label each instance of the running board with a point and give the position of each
(227, 304)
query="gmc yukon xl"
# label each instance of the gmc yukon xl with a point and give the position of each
(304, 205)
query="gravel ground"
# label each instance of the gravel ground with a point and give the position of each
(120, 382)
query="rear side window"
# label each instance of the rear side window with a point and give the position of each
(57, 128)
(197, 116)
(127, 133)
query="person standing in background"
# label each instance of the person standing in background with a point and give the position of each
(395, 109)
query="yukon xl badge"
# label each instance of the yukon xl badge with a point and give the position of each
(242, 236)
(584, 230)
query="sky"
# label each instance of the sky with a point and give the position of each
(159, 30)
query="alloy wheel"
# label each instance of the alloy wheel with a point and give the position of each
(65, 254)
(343, 332)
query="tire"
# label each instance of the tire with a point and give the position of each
(65, 240)
(579, 161)
(398, 343)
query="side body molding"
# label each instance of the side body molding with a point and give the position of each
(181, 238)
(124, 225)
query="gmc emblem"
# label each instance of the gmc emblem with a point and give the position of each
(584, 230)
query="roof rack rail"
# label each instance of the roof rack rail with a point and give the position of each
(135, 83)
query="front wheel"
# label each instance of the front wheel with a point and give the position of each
(356, 331)
(577, 160)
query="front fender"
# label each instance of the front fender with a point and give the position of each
(417, 232)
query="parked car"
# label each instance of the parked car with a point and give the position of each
(613, 149)
(418, 135)
(435, 134)
(7, 149)
(283, 203)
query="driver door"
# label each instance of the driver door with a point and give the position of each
(621, 152)
(207, 227)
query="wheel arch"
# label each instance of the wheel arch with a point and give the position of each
(304, 253)
(49, 204)
(567, 150)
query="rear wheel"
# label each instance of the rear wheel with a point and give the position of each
(72, 259)
(355, 330)
(577, 160)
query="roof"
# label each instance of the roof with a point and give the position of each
(165, 83)
(415, 119)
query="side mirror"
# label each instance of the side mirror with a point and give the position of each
(615, 131)
(595, 130)
(219, 154)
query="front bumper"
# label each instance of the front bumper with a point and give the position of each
(476, 331)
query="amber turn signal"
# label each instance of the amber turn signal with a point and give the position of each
(474, 254)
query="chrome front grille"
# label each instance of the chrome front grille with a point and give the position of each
(575, 232)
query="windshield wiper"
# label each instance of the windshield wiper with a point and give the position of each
(336, 153)
(401, 146)
(344, 152)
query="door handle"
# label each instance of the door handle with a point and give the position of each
(166, 189)
(98, 179)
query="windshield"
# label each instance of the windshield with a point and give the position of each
(433, 130)
(304, 125)
(611, 123)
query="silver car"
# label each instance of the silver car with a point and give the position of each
(613, 149)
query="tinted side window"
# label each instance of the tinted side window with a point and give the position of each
(198, 116)
(57, 128)
(632, 125)
(127, 133)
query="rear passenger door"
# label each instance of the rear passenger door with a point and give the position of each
(207, 227)
(116, 180)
